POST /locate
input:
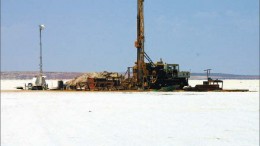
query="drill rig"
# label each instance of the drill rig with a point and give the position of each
(152, 75)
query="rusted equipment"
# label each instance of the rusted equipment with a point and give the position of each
(159, 75)
(139, 44)
(96, 82)
(91, 84)
(143, 75)
(152, 75)
(99, 84)
(209, 85)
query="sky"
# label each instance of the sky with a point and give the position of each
(99, 35)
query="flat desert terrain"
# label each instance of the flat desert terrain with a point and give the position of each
(40, 118)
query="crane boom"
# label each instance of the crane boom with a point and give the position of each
(139, 44)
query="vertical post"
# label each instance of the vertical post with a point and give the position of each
(128, 72)
(40, 51)
(41, 27)
(208, 73)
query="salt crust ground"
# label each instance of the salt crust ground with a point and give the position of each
(252, 85)
(132, 119)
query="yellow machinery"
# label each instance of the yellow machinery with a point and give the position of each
(152, 75)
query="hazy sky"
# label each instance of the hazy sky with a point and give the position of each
(98, 35)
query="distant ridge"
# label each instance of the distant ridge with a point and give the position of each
(22, 75)
(30, 74)
(222, 76)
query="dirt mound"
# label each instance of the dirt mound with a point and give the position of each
(84, 77)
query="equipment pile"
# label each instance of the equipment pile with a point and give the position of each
(96, 81)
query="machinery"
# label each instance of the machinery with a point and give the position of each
(143, 75)
(38, 83)
(209, 85)
(152, 75)
(96, 82)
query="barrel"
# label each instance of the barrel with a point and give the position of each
(60, 85)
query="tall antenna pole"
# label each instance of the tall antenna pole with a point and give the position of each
(41, 28)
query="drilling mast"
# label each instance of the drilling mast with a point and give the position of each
(152, 75)
(139, 43)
